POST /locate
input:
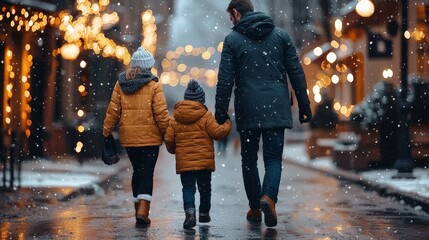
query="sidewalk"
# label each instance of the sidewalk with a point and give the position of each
(54, 180)
(414, 192)
(51, 180)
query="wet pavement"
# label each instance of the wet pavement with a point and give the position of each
(311, 206)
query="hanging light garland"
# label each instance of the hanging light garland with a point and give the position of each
(86, 31)
(175, 73)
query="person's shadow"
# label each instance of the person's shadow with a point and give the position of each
(256, 229)
(189, 234)
(204, 233)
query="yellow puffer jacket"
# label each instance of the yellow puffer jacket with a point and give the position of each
(140, 107)
(190, 136)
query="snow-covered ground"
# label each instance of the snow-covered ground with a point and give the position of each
(44, 173)
(419, 186)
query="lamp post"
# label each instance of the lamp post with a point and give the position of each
(404, 164)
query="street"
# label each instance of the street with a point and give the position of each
(311, 206)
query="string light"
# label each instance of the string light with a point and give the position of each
(86, 30)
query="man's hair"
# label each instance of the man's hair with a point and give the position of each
(242, 6)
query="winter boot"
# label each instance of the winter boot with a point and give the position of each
(191, 219)
(254, 215)
(204, 217)
(142, 215)
(268, 206)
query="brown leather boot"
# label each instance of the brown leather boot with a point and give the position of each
(136, 207)
(142, 215)
(254, 215)
(268, 206)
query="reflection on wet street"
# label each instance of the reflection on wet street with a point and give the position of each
(311, 206)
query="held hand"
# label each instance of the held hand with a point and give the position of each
(305, 114)
(221, 118)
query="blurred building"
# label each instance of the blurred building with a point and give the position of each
(60, 60)
(359, 50)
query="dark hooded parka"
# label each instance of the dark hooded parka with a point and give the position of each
(257, 58)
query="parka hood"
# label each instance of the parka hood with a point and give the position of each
(132, 85)
(255, 25)
(188, 111)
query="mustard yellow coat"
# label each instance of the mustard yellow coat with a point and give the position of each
(190, 136)
(140, 107)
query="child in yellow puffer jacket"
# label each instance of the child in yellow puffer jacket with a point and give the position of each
(190, 136)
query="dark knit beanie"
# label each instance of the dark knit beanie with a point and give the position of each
(195, 92)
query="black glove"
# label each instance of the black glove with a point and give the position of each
(221, 117)
(304, 106)
(305, 114)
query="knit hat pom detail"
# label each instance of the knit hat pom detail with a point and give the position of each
(193, 85)
(195, 92)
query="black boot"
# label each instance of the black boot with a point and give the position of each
(204, 217)
(190, 220)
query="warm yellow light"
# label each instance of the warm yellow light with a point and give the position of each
(317, 98)
(350, 77)
(8, 109)
(180, 50)
(318, 51)
(80, 113)
(331, 57)
(343, 110)
(82, 64)
(69, 51)
(387, 73)
(365, 8)
(220, 47)
(206, 55)
(81, 88)
(189, 48)
(316, 89)
(407, 34)
(337, 106)
(338, 25)
(81, 128)
(335, 79)
(210, 74)
(184, 80)
(307, 61)
(181, 67)
(195, 71)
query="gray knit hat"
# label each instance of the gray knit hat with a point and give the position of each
(195, 92)
(142, 58)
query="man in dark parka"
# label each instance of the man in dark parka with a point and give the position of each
(256, 60)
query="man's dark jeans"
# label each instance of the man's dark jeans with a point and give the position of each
(143, 160)
(272, 146)
(203, 179)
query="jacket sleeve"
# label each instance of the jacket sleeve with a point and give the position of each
(170, 139)
(295, 72)
(113, 112)
(217, 131)
(159, 108)
(225, 81)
